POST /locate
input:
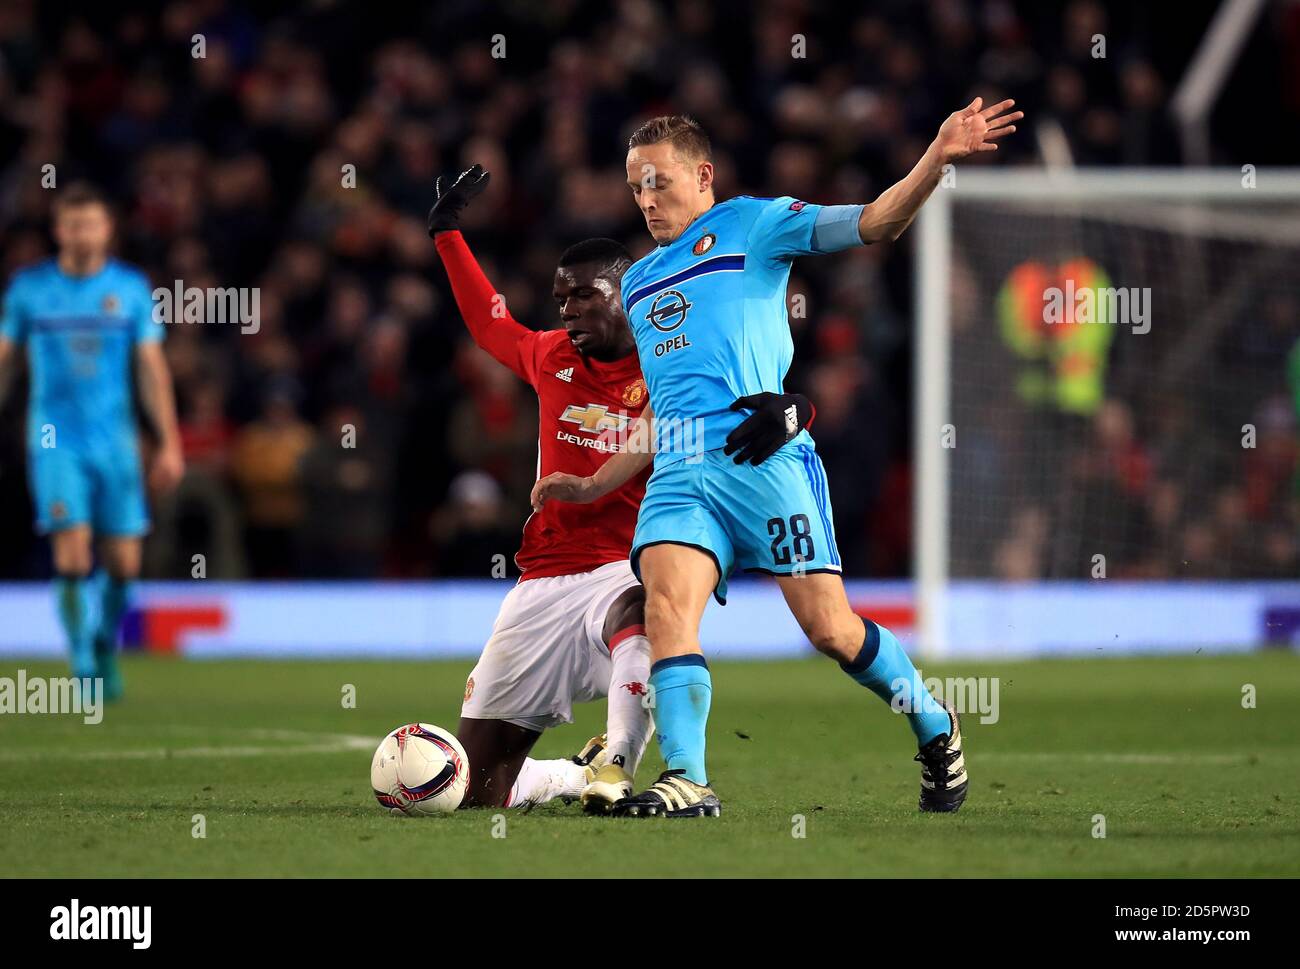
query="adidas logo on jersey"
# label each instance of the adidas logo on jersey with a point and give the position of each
(566, 375)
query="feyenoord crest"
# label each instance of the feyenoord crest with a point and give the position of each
(704, 244)
(634, 393)
(112, 304)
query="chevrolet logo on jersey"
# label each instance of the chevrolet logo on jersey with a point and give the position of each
(668, 311)
(594, 418)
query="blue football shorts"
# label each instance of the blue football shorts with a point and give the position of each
(774, 518)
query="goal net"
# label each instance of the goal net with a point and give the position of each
(1108, 378)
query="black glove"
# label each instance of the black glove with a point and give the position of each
(445, 214)
(777, 418)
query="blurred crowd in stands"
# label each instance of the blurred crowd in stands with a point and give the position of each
(297, 155)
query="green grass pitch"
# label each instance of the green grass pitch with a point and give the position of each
(1189, 782)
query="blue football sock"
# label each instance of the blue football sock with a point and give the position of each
(682, 692)
(114, 594)
(884, 669)
(72, 593)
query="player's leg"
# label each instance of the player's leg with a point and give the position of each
(120, 556)
(867, 651)
(681, 552)
(496, 750)
(71, 548)
(678, 580)
(121, 518)
(61, 490)
(501, 774)
(521, 685)
(629, 720)
(796, 543)
(872, 656)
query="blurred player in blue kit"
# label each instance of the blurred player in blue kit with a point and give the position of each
(93, 348)
(708, 310)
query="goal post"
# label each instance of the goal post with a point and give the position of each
(1093, 349)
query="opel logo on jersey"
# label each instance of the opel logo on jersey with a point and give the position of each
(594, 418)
(668, 311)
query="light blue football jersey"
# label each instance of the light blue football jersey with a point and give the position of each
(709, 314)
(80, 334)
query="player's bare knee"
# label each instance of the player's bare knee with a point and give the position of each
(665, 617)
(72, 570)
(839, 640)
(122, 564)
(121, 557)
(72, 561)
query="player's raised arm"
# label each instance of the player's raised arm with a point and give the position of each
(480, 303)
(610, 476)
(965, 132)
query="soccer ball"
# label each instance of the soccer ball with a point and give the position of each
(419, 769)
(383, 774)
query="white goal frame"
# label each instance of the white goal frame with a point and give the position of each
(1062, 190)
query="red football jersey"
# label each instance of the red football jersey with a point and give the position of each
(585, 409)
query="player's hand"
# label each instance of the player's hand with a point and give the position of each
(777, 418)
(453, 197)
(562, 487)
(166, 469)
(975, 128)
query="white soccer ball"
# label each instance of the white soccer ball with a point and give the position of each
(420, 769)
(383, 774)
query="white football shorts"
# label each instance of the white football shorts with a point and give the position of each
(547, 650)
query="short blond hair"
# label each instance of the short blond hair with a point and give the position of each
(682, 131)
